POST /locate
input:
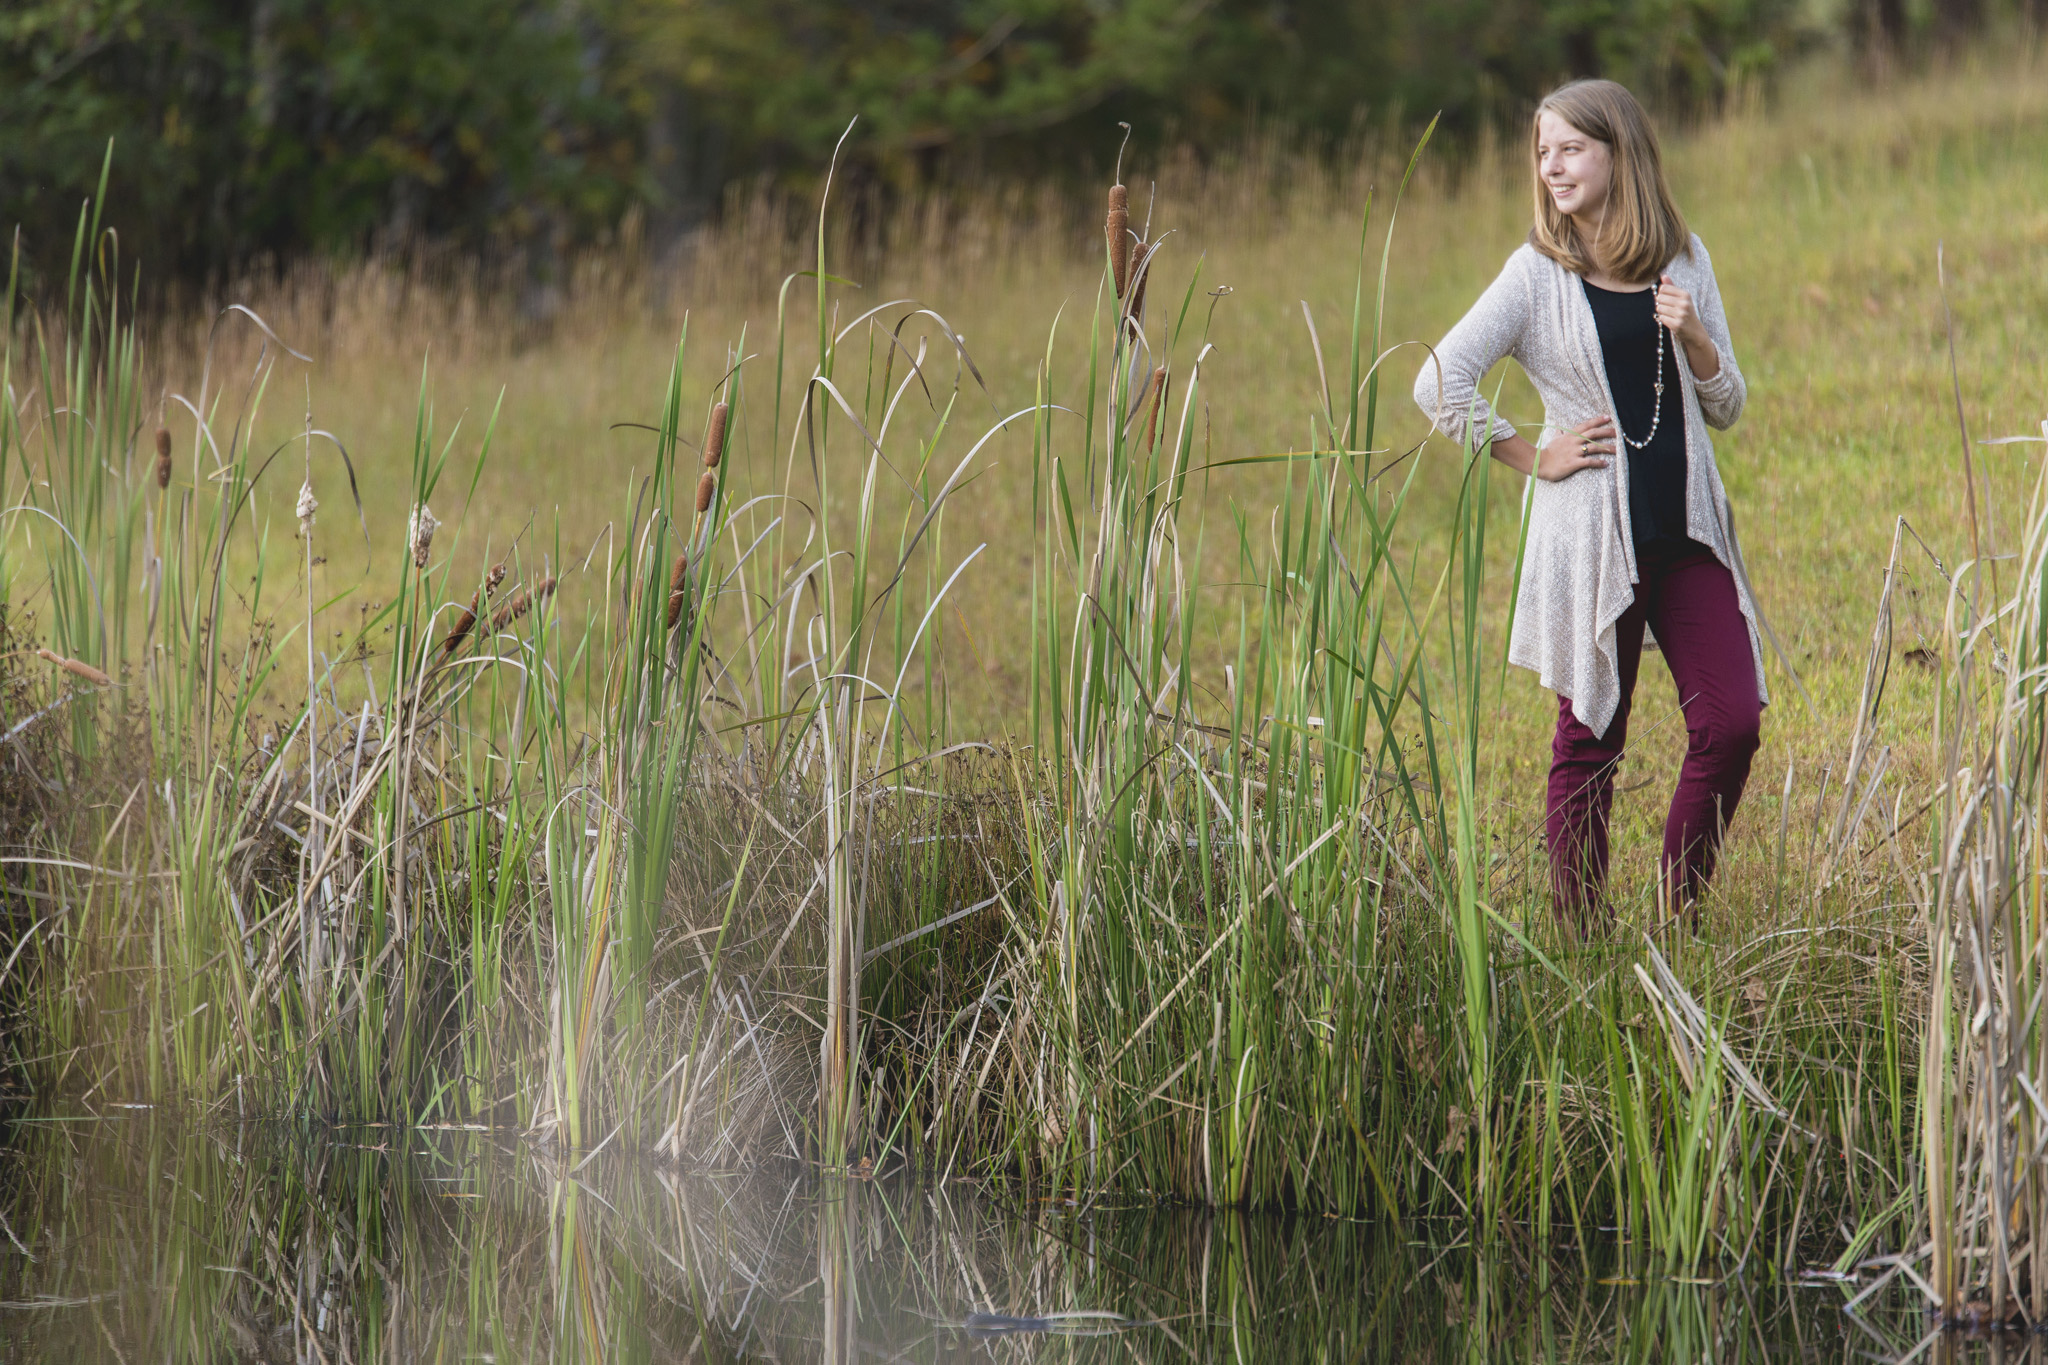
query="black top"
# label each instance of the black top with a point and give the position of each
(1638, 351)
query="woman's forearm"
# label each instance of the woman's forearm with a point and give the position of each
(1701, 355)
(1516, 453)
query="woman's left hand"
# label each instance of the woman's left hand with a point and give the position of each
(1675, 310)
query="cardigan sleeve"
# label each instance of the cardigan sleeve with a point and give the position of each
(1721, 398)
(1447, 390)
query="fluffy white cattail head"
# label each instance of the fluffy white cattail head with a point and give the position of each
(419, 534)
(308, 505)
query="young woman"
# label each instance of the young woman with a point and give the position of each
(1612, 310)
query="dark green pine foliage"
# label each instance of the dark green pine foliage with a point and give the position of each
(251, 129)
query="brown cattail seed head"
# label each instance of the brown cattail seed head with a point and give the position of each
(1140, 274)
(1116, 227)
(77, 668)
(714, 438)
(462, 627)
(705, 486)
(523, 603)
(465, 622)
(163, 457)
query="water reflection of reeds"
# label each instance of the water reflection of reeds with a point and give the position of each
(141, 1239)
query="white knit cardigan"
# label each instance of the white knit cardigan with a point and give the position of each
(1579, 570)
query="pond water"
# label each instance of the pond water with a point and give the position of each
(130, 1236)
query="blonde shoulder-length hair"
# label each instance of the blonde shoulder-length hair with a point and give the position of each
(1641, 230)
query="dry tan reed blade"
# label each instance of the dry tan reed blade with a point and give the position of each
(1158, 397)
(1139, 275)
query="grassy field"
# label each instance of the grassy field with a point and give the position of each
(1824, 209)
(972, 779)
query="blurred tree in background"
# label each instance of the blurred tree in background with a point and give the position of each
(252, 129)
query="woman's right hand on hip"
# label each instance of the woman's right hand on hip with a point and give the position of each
(1582, 447)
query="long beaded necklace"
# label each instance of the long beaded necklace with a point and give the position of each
(1657, 409)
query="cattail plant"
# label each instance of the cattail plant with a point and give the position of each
(714, 451)
(714, 435)
(77, 668)
(467, 620)
(163, 457)
(676, 594)
(1117, 228)
(419, 534)
(526, 601)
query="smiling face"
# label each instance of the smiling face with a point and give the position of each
(1576, 169)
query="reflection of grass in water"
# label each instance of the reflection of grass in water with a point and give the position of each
(165, 1242)
(1248, 910)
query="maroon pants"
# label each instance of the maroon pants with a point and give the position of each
(1688, 598)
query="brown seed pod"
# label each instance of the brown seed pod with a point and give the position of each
(1158, 397)
(467, 621)
(78, 668)
(705, 487)
(1116, 227)
(523, 603)
(676, 595)
(714, 437)
(163, 457)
